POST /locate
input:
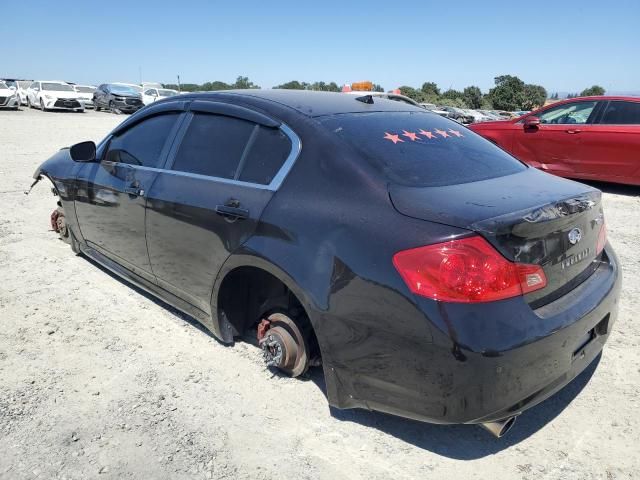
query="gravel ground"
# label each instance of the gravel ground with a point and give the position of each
(98, 380)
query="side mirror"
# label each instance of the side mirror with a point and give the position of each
(531, 122)
(83, 152)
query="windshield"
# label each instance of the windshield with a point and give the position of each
(85, 89)
(9, 83)
(124, 89)
(3, 85)
(167, 93)
(24, 83)
(57, 87)
(421, 149)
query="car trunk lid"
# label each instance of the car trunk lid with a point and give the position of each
(530, 217)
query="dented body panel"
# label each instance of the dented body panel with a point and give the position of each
(329, 233)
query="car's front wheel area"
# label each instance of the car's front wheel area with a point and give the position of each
(59, 225)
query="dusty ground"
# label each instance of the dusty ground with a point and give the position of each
(99, 380)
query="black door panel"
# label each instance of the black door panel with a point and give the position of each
(188, 239)
(110, 206)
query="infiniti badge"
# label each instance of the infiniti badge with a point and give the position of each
(575, 235)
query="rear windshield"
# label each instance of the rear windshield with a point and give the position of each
(422, 149)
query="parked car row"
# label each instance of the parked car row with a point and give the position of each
(60, 95)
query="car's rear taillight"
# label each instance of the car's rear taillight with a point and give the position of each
(467, 270)
(602, 238)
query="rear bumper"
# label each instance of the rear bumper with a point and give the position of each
(488, 361)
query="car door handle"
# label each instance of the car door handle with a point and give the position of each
(573, 130)
(232, 212)
(134, 191)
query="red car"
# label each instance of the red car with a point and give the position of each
(591, 138)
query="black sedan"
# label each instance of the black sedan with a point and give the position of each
(430, 273)
(118, 98)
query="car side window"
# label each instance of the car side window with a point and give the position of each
(142, 144)
(621, 113)
(149, 92)
(569, 113)
(213, 145)
(266, 156)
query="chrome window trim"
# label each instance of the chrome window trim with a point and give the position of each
(296, 148)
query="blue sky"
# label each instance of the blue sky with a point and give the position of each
(562, 45)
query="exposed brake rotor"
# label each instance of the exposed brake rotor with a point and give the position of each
(283, 344)
(59, 223)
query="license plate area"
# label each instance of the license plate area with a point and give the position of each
(601, 328)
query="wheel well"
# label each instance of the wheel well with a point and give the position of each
(247, 294)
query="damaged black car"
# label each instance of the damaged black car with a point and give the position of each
(428, 272)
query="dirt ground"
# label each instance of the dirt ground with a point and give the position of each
(98, 380)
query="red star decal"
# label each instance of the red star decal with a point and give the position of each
(456, 133)
(427, 134)
(442, 133)
(410, 135)
(394, 138)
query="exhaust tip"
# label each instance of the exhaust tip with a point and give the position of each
(500, 428)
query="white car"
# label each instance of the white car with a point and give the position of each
(85, 93)
(150, 95)
(477, 116)
(20, 86)
(53, 95)
(146, 85)
(8, 96)
(432, 108)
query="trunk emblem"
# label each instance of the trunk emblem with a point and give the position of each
(575, 235)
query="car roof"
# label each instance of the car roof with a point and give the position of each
(311, 103)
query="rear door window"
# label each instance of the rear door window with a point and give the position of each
(232, 148)
(213, 145)
(422, 149)
(621, 113)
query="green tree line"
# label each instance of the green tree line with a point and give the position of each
(509, 93)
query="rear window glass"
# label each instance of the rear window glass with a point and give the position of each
(266, 156)
(622, 113)
(422, 149)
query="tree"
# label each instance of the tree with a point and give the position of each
(293, 85)
(377, 88)
(453, 98)
(591, 91)
(244, 83)
(453, 102)
(508, 94)
(323, 87)
(534, 96)
(412, 93)
(215, 85)
(472, 96)
(430, 88)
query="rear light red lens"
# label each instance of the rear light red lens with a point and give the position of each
(467, 270)
(602, 238)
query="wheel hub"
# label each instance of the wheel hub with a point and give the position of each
(283, 345)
